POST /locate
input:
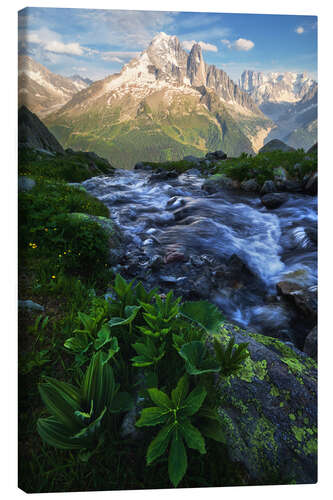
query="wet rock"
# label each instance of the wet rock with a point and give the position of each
(268, 187)
(25, 183)
(142, 166)
(273, 200)
(174, 257)
(217, 182)
(197, 261)
(156, 262)
(292, 186)
(169, 280)
(251, 185)
(304, 299)
(311, 342)
(269, 410)
(163, 175)
(311, 187)
(175, 202)
(30, 305)
(312, 233)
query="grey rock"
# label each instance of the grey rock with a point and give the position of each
(251, 185)
(311, 186)
(30, 305)
(269, 410)
(311, 343)
(274, 200)
(25, 183)
(192, 159)
(268, 187)
(280, 174)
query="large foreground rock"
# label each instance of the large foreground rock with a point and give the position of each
(269, 410)
(34, 134)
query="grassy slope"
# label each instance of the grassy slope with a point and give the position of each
(154, 133)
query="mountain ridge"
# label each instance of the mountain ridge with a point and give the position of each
(162, 105)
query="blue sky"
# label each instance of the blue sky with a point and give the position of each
(96, 43)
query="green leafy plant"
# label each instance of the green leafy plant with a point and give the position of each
(148, 353)
(160, 316)
(231, 356)
(175, 414)
(197, 359)
(205, 314)
(79, 415)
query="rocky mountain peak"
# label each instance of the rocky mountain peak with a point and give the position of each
(196, 68)
(166, 53)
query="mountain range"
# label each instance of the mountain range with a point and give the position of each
(290, 100)
(165, 104)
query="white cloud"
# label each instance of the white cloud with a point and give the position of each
(240, 44)
(74, 49)
(188, 44)
(299, 30)
(243, 44)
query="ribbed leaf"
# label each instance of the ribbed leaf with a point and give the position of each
(55, 434)
(78, 343)
(152, 416)
(177, 463)
(160, 398)
(192, 436)
(103, 337)
(60, 402)
(130, 314)
(93, 381)
(158, 445)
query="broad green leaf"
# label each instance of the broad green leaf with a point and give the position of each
(152, 416)
(160, 443)
(177, 463)
(197, 359)
(130, 314)
(204, 313)
(55, 434)
(160, 398)
(193, 401)
(78, 343)
(103, 337)
(192, 436)
(180, 392)
(60, 403)
(113, 349)
(141, 361)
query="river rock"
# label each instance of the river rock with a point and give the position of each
(142, 166)
(273, 200)
(174, 257)
(311, 187)
(30, 305)
(292, 186)
(25, 183)
(250, 185)
(311, 343)
(164, 175)
(217, 182)
(304, 299)
(268, 410)
(268, 187)
(280, 174)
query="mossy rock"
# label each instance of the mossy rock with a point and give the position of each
(113, 232)
(269, 410)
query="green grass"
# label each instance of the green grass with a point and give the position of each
(261, 167)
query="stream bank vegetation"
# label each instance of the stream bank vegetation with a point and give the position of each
(117, 384)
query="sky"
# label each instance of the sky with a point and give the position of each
(97, 43)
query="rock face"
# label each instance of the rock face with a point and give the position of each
(34, 134)
(275, 145)
(269, 410)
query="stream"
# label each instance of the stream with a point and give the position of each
(225, 247)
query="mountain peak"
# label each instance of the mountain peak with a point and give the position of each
(196, 68)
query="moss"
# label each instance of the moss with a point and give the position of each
(292, 416)
(274, 391)
(306, 439)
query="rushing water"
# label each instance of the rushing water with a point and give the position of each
(176, 215)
